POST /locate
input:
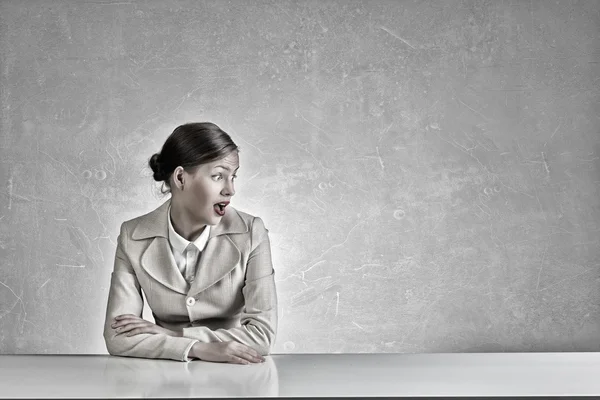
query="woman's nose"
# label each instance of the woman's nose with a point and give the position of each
(229, 190)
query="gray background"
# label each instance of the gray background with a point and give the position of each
(429, 171)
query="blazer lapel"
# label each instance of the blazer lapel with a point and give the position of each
(221, 255)
(157, 259)
(159, 263)
(218, 258)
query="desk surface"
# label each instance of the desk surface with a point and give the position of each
(304, 375)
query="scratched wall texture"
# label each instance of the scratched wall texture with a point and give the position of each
(429, 171)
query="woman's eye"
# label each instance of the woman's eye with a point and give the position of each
(219, 177)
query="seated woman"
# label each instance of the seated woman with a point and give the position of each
(204, 266)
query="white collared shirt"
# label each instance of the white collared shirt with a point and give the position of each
(186, 253)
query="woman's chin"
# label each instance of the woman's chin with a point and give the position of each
(215, 219)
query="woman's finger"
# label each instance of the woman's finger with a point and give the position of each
(247, 353)
(251, 355)
(126, 316)
(124, 322)
(143, 329)
(242, 348)
(136, 331)
(129, 327)
(238, 360)
(118, 320)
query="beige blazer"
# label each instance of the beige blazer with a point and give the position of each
(232, 297)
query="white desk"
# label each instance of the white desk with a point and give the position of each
(305, 375)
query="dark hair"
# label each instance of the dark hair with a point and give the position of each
(189, 146)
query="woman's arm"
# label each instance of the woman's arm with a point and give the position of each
(259, 315)
(125, 297)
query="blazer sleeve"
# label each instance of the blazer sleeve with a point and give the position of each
(125, 297)
(259, 314)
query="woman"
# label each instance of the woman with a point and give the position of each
(204, 266)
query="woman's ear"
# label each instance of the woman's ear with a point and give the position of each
(178, 177)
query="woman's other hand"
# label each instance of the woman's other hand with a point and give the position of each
(130, 325)
(229, 352)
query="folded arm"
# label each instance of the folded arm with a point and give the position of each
(125, 297)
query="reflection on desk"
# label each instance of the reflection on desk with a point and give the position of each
(304, 375)
(139, 377)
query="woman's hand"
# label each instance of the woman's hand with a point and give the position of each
(131, 325)
(229, 352)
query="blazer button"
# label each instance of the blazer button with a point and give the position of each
(190, 301)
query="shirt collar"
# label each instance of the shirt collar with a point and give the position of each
(180, 243)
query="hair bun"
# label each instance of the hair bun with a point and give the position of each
(157, 168)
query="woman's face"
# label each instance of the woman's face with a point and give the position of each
(210, 185)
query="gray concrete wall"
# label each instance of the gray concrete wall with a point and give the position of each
(429, 171)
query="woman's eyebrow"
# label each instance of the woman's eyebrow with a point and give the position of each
(224, 167)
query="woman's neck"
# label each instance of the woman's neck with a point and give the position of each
(183, 224)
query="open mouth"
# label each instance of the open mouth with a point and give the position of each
(220, 208)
